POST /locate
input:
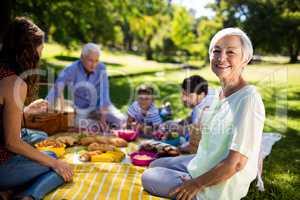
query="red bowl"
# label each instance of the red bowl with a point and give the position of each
(128, 135)
(142, 158)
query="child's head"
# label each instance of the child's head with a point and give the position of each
(194, 89)
(145, 96)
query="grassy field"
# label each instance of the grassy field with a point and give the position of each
(278, 83)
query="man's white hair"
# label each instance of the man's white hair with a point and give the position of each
(247, 48)
(90, 47)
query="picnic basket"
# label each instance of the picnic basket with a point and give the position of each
(60, 119)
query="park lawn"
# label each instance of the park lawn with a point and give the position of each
(279, 85)
(118, 64)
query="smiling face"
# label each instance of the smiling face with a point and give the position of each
(226, 57)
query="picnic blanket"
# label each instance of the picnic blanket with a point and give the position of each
(268, 140)
(102, 181)
(122, 181)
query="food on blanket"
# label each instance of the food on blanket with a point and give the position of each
(142, 158)
(51, 145)
(160, 148)
(128, 135)
(100, 156)
(170, 151)
(85, 157)
(85, 141)
(109, 156)
(102, 147)
(102, 139)
(115, 141)
(150, 147)
(174, 134)
(67, 140)
(118, 142)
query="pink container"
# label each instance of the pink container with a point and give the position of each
(128, 135)
(142, 158)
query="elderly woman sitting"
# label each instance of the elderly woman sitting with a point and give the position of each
(227, 156)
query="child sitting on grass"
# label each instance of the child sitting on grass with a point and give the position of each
(195, 95)
(143, 116)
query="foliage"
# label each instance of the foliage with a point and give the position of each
(273, 25)
(162, 30)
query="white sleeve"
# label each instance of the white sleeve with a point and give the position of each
(248, 125)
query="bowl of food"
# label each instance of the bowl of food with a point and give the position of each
(174, 142)
(142, 158)
(51, 145)
(171, 138)
(126, 134)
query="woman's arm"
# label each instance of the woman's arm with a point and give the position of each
(104, 88)
(14, 96)
(223, 171)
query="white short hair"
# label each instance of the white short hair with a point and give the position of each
(247, 48)
(90, 47)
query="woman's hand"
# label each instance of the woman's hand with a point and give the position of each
(37, 106)
(63, 169)
(188, 190)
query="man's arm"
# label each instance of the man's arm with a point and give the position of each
(104, 88)
(57, 89)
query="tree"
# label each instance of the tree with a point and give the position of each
(273, 25)
(182, 34)
(70, 22)
(206, 30)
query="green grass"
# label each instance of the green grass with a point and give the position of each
(118, 64)
(278, 83)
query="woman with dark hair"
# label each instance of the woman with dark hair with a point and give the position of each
(22, 166)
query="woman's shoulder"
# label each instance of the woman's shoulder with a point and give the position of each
(13, 81)
(250, 95)
(247, 91)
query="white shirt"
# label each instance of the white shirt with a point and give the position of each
(206, 102)
(233, 123)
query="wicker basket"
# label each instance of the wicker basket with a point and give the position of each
(50, 122)
(60, 120)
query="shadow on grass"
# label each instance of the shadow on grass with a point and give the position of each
(66, 58)
(73, 58)
(294, 96)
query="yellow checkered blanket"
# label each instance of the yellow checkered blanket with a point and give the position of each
(103, 181)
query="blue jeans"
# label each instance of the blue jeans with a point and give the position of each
(35, 180)
(32, 136)
(164, 174)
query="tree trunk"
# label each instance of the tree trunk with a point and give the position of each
(5, 17)
(294, 58)
(149, 52)
(128, 39)
(294, 52)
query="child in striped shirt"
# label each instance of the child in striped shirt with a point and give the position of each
(143, 116)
